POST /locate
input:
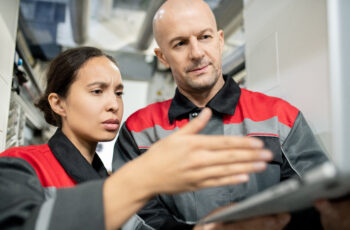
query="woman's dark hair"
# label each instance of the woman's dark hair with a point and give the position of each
(61, 74)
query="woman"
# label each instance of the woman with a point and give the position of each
(64, 185)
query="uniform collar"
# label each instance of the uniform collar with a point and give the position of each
(73, 162)
(224, 102)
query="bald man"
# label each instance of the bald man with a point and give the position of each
(191, 46)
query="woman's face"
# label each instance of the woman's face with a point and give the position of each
(94, 105)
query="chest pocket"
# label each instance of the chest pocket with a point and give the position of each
(273, 144)
(272, 174)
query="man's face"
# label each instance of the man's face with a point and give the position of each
(192, 47)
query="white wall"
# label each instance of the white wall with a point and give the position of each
(135, 98)
(8, 29)
(287, 56)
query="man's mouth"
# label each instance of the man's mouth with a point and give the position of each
(199, 70)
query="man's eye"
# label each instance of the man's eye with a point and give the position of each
(180, 44)
(205, 37)
(96, 91)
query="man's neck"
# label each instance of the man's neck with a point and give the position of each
(201, 98)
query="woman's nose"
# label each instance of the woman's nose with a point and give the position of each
(113, 103)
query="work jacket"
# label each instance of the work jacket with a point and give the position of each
(236, 112)
(50, 186)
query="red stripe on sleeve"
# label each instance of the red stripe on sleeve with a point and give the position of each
(263, 134)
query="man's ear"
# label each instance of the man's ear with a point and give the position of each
(221, 39)
(161, 57)
(57, 104)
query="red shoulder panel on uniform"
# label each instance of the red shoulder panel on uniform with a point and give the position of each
(152, 115)
(46, 166)
(259, 107)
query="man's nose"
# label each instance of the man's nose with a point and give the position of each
(196, 51)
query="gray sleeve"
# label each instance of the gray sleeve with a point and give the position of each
(125, 148)
(25, 204)
(154, 215)
(80, 207)
(301, 151)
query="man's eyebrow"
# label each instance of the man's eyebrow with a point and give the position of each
(179, 38)
(184, 38)
(206, 30)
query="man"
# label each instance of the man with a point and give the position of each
(191, 46)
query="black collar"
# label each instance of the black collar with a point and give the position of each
(73, 162)
(224, 102)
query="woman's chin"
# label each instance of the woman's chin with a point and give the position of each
(107, 137)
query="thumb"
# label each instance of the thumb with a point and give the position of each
(324, 207)
(197, 124)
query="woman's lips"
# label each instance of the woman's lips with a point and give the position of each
(111, 125)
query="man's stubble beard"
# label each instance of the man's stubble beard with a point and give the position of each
(207, 84)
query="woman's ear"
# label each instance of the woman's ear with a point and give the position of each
(57, 104)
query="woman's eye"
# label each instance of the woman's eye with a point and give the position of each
(96, 91)
(119, 93)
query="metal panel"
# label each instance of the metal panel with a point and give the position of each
(146, 32)
(8, 28)
(80, 14)
(339, 56)
(7, 47)
(4, 109)
(297, 62)
(133, 66)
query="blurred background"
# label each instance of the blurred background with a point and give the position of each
(276, 47)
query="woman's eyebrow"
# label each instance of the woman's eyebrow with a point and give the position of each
(120, 86)
(104, 84)
(99, 83)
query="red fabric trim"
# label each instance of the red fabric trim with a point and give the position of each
(263, 134)
(260, 107)
(251, 105)
(46, 166)
(152, 115)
